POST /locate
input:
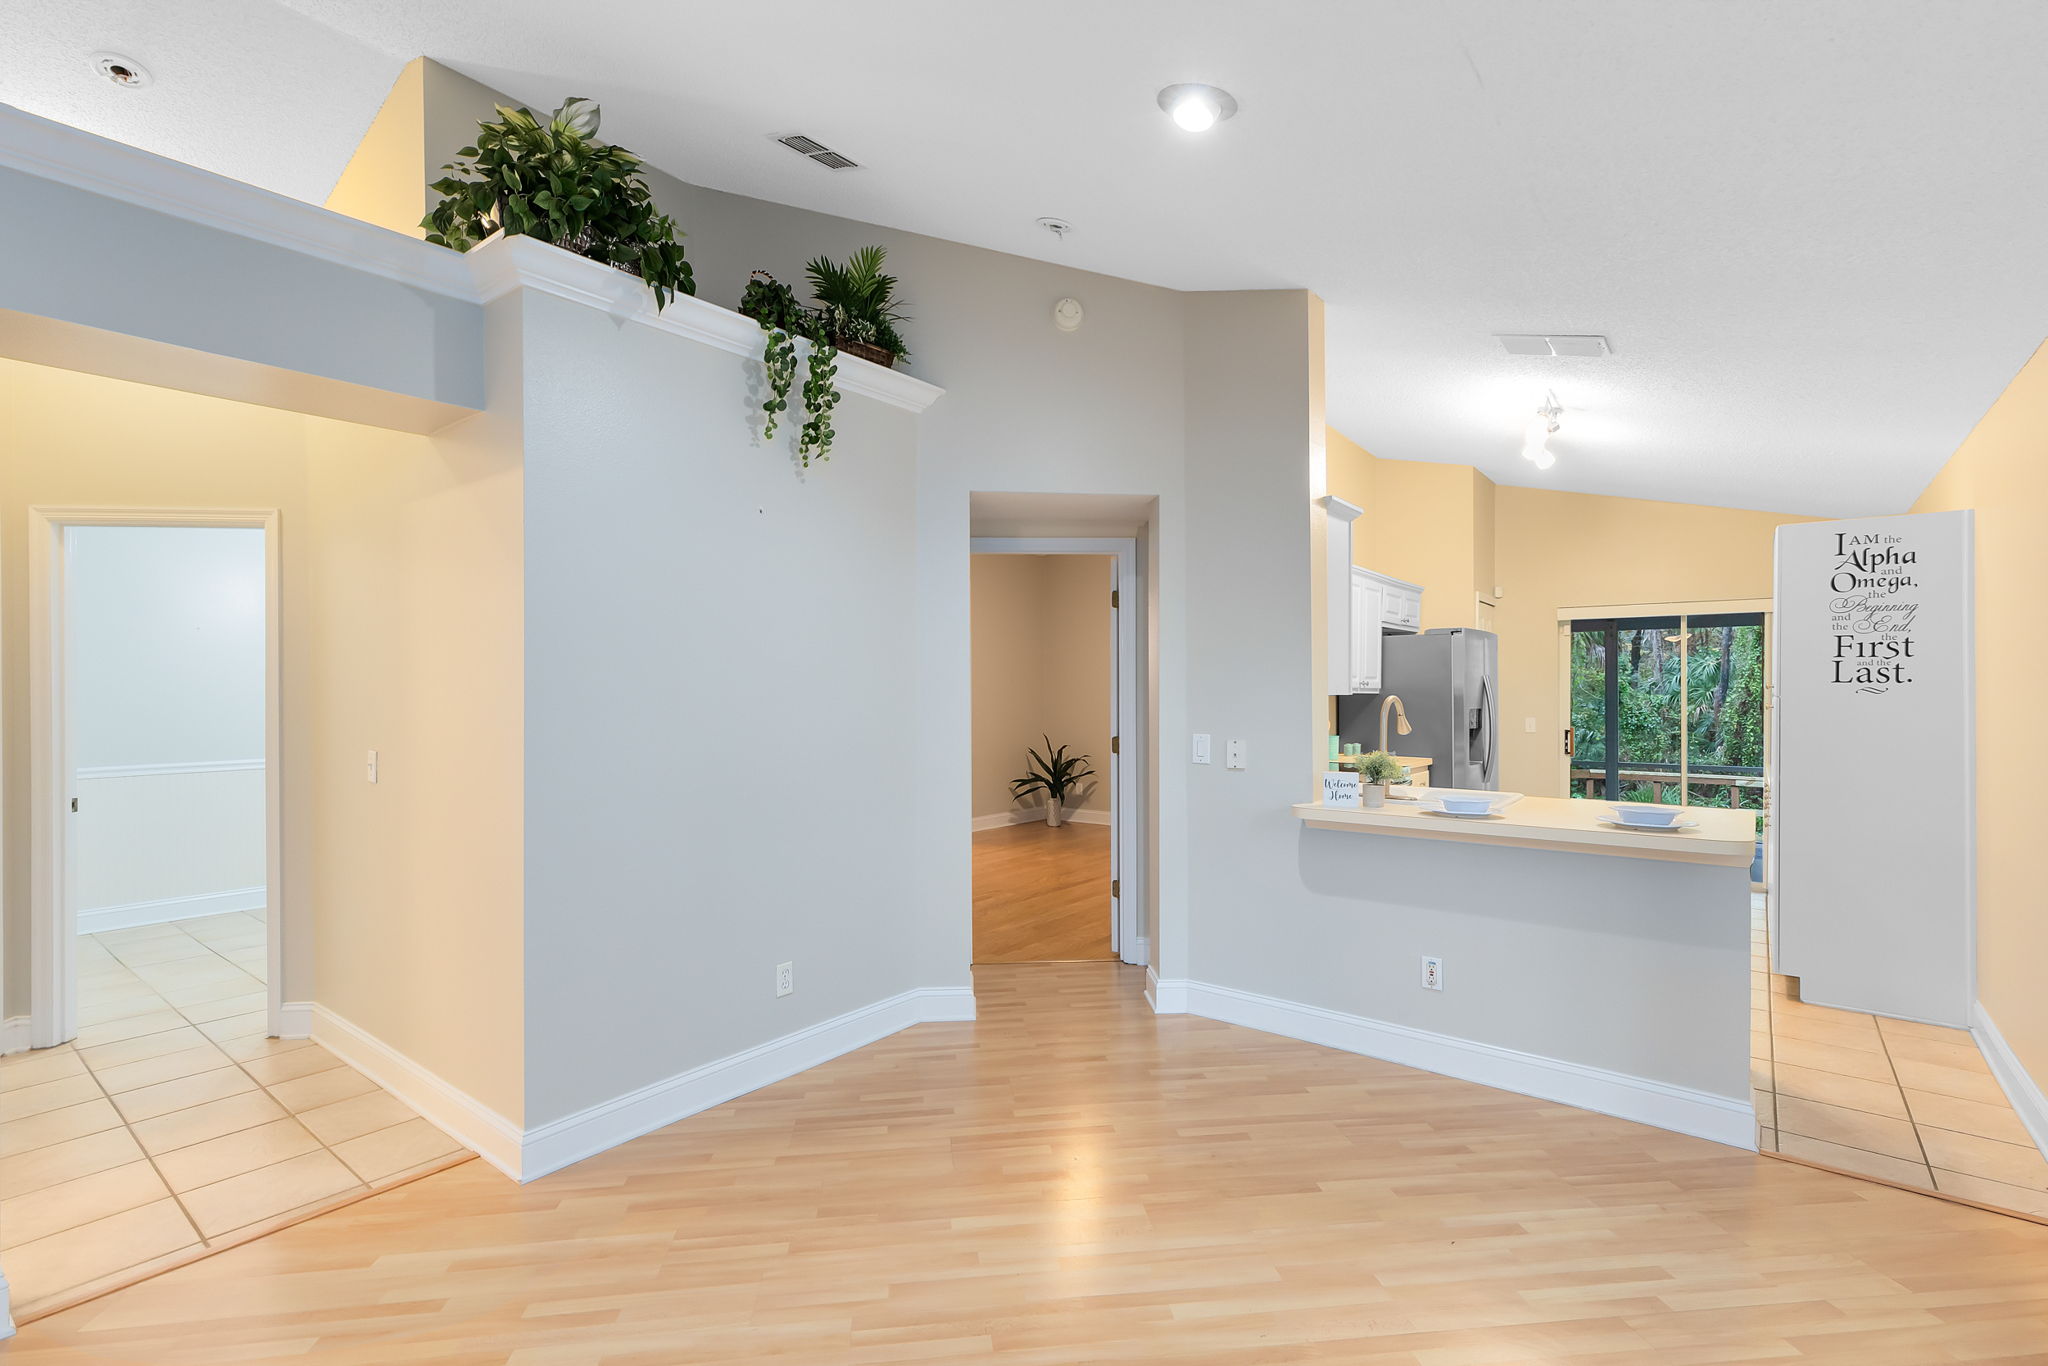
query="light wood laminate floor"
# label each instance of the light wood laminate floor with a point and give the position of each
(1906, 1102)
(1072, 1179)
(1041, 894)
(172, 1126)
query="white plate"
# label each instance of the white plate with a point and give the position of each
(1618, 815)
(1653, 829)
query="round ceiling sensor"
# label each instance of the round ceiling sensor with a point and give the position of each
(129, 75)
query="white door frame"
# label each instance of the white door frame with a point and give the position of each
(53, 925)
(1127, 848)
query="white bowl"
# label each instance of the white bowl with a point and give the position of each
(1646, 815)
(1467, 806)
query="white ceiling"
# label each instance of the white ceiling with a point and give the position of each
(1812, 231)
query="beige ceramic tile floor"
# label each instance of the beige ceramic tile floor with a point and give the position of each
(172, 1125)
(1911, 1103)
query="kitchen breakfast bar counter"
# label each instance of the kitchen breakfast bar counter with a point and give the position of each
(1563, 823)
(1605, 968)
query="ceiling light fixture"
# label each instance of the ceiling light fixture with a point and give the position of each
(1195, 107)
(1542, 425)
(118, 69)
(1058, 227)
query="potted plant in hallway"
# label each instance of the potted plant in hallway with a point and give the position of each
(1054, 773)
(557, 182)
(1375, 771)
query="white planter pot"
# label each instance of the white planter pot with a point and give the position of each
(1052, 812)
(1373, 794)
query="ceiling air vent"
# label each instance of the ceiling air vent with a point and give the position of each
(817, 151)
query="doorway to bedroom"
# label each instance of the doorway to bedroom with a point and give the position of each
(1049, 647)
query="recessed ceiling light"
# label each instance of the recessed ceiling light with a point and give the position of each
(1197, 108)
(129, 75)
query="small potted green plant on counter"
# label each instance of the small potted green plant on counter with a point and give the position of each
(557, 182)
(1375, 771)
(1054, 773)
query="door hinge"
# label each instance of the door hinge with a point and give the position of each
(1115, 598)
(1115, 745)
(74, 803)
(1115, 888)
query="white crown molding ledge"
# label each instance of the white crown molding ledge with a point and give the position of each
(1721, 1119)
(502, 264)
(97, 165)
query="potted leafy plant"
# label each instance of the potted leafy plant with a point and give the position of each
(557, 182)
(1375, 771)
(856, 306)
(1054, 773)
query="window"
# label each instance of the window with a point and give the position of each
(1669, 709)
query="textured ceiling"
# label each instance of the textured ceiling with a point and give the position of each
(1812, 231)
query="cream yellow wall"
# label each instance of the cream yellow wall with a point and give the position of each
(1042, 666)
(1429, 523)
(401, 582)
(382, 183)
(2001, 471)
(431, 112)
(1555, 550)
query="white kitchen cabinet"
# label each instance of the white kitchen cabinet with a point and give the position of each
(1368, 606)
(1363, 606)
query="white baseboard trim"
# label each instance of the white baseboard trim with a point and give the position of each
(2020, 1088)
(526, 1154)
(558, 1143)
(1035, 815)
(129, 914)
(468, 1121)
(295, 1020)
(14, 1036)
(1166, 995)
(1723, 1119)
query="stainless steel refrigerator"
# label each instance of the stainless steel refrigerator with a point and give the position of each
(1448, 681)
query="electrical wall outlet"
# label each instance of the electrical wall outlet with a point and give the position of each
(1233, 754)
(785, 978)
(1432, 974)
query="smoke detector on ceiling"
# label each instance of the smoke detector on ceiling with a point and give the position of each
(1531, 344)
(129, 75)
(813, 150)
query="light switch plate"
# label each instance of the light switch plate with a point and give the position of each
(1233, 755)
(370, 766)
(1529, 724)
(1201, 749)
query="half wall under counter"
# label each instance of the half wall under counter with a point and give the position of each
(1604, 969)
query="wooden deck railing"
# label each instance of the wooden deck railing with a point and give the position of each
(1592, 781)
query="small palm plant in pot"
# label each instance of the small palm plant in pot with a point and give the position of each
(1054, 773)
(1375, 771)
(857, 309)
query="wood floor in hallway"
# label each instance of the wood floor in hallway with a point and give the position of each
(1072, 1179)
(1041, 894)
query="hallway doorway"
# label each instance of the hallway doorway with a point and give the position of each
(1051, 642)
